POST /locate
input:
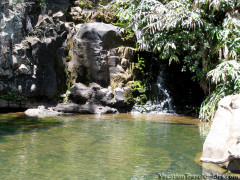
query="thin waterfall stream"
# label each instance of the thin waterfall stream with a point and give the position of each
(161, 101)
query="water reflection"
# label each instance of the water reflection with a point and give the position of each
(120, 146)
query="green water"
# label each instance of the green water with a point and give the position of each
(90, 147)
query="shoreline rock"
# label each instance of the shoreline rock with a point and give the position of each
(222, 143)
(41, 111)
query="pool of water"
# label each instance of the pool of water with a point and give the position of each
(122, 146)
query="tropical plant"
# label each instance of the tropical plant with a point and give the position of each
(226, 79)
(201, 33)
(42, 3)
(85, 4)
(12, 96)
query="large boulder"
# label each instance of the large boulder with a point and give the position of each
(96, 53)
(222, 145)
(89, 51)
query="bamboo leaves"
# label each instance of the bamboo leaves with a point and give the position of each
(149, 17)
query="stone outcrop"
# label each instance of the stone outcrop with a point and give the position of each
(222, 143)
(98, 65)
(85, 108)
(31, 36)
(42, 57)
(95, 94)
(97, 53)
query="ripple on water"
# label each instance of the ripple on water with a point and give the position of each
(122, 146)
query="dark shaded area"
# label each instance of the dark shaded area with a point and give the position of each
(186, 94)
(13, 124)
(166, 123)
(233, 166)
(9, 109)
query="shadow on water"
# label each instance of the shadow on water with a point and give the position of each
(13, 123)
(181, 124)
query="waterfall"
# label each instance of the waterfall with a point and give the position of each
(161, 101)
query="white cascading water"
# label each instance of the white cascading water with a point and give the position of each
(162, 101)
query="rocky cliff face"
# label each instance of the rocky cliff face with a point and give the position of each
(29, 41)
(11, 33)
(42, 55)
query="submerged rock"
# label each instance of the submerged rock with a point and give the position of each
(222, 143)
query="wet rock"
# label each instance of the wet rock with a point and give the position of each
(95, 86)
(119, 100)
(23, 70)
(119, 94)
(101, 94)
(116, 70)
(84, 109)
(2, 73)
(81, 93)
(59, 16)
(108, 98)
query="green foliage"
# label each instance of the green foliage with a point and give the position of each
(200, 33)
(12, 96)
(137, 93)
(226, 78)
(70, 79)
(104, 2)
(120, 79)
(129, 38)
(139, 70)
(97, 11)
(42, 3)
(85, 4)
(129, 97)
